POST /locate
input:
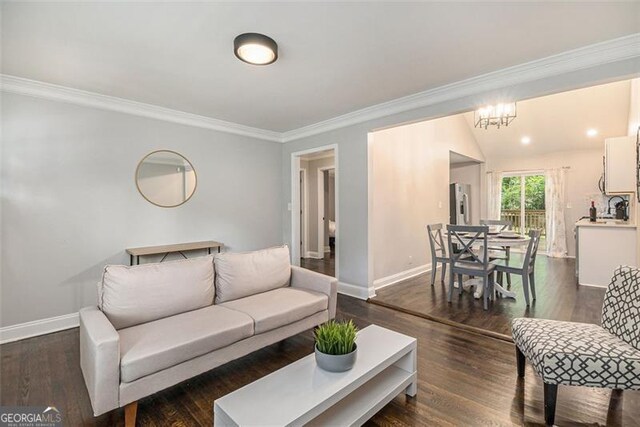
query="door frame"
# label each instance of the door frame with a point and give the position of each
(304, 213)
(321, 202)
(295, 201)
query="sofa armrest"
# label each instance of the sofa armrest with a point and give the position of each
(312, 281)
(100, 359)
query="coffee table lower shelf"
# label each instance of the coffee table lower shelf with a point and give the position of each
(368, 399)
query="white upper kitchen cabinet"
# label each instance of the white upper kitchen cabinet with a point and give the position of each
(620, 165)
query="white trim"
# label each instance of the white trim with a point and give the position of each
(38, 327)
(609, 51)
(619, 49)
(589, 285)
(399, 277)
(370, 212)
(314, 255)
(44, 90)
(327, 249)
(356, 291)
(304, 207)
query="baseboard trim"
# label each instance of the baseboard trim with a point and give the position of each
(383, 282)
(590, 285)
(327, 249)
(38, 327)
(356, 291)
(314, 255)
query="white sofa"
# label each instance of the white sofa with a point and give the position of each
(159, 324)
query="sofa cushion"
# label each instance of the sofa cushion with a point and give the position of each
(154, 346)
(280, 307)
(239, 275)
(577, 354)
(133, 295)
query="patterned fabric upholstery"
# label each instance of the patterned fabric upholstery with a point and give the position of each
(621, 308)
(577, 354)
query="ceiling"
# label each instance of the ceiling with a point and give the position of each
(559, 122)
(334, 57)
(317, 155)
(460, 160)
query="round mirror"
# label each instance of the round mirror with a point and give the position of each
(165, 178)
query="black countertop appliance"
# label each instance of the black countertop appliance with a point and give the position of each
(621, 208)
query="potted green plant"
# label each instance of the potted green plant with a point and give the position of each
(336, 345)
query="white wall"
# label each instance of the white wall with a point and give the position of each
(470, 174)
(581, 180)
(70, 204)
(410, 188)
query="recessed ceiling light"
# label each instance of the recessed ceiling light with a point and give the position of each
(525, 140)
(592, 132)
(255, 49)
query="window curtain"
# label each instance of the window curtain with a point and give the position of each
(494, 196)
(554, 212)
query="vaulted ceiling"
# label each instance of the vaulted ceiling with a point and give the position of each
(560, 122)
(334, 57)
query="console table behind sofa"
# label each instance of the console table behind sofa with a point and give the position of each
(136, 253)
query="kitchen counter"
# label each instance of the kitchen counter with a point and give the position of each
(615, 223)
(601, 247)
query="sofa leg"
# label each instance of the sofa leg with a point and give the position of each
(550, 394)
(130, 412)
(520, 361)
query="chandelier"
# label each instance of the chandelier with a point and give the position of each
(495, 115)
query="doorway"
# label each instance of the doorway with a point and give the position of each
(314, 208)
(523, 202)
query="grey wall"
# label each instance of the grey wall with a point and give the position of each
(352, 163)
(70, 205)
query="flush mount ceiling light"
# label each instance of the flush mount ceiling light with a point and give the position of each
(495, 115)
(592, 132)
(255, 49)
(525, 140)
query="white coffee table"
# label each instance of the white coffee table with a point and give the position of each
(302, 393)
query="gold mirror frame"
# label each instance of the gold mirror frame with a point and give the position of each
(135, 178)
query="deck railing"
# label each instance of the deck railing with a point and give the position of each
(533, 219)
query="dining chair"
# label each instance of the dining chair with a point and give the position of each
(438, 251)
(526, 269)
(467, 261)
(500, 252)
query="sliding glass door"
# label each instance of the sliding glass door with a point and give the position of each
(523, 202)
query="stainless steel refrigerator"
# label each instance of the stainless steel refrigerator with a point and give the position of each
(460, 204)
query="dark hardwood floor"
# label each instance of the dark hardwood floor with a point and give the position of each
(464, 379)
(558, 297)
(327, 265)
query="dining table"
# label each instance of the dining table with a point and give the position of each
(507, 239)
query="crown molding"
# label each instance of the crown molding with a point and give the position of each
(54, 92)
(615, 50)
(620, 49)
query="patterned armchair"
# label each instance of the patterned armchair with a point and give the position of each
(581, 354)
